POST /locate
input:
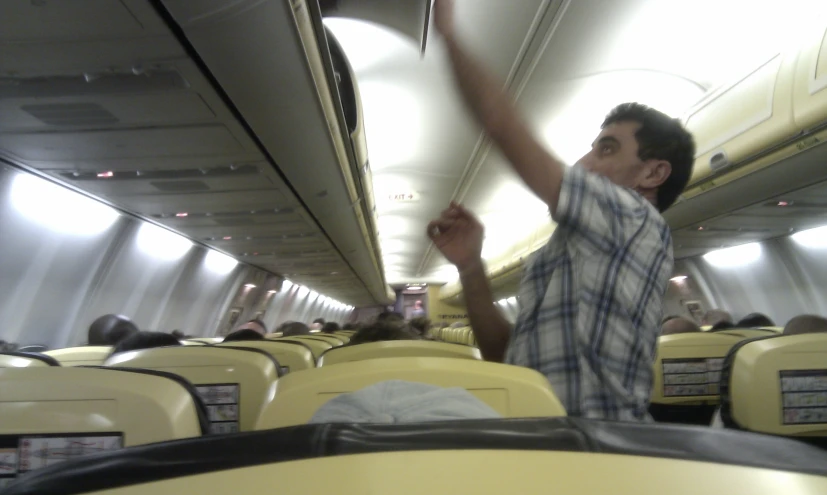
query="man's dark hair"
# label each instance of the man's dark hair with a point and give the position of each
(245, 334)
(722, 325)
(291, 328)
(753, 320)
(420, 325)
(350, 326)
(381, 331)
(110, 329)
(320, 321)
(391, 316)
(145, 340)
(660, 137)
(330, 327)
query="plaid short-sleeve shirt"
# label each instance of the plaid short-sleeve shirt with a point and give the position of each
(591, 299)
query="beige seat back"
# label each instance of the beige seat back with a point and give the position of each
(510, 390)
(291, 356)
(331, 339)
(687, 368)
(395, 349)
(26, 360)
(317, 347)
(49, 414)
(233, 382)
(208, 340)
(90, 355)
(749, 333)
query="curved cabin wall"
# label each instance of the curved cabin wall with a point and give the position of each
(55, 280)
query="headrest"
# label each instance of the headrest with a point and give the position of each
(396, 349)
(89, 355)
(777, 385)
(26, 360)
(291, 355)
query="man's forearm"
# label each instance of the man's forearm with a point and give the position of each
(491, 329)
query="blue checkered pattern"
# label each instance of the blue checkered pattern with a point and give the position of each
(591, 299)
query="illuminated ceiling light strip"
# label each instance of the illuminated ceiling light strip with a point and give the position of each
(734, 256)
(813, 238)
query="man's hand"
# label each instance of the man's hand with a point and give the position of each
(444, 17)
(458, 235)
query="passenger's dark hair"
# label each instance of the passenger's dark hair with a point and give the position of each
(320, 321)
(145, 340)
(110, 329)
(350, 326)
(392, 316)
(330, 327)
(803, 324)
(245, 334)
(381, 331)
(420, 325)
(259, 323)
(291, 328)
(660, 137)
(722, 325)
(753, 320)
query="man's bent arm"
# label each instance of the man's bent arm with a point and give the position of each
(497, 114)
(491, 329)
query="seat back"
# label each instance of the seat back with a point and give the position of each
(343, 337)
(331, 339)
(26, 360)
(512, 391)
(90, 355)
(234, 382)
(396, 349)
(687, 368)
(50, 414)
(317, 347)
(208, 340)
(749, 333)
(291, 356)
(778, 385)
(192, 342)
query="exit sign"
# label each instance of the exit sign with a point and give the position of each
(406, 197)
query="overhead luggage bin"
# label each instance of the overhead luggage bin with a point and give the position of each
(570, 455)
(744, 119)
(397, 349)
(234, 382)
(90, 355)
(26, 360)
(810, 91)
(512, 391)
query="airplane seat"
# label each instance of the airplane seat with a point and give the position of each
(208, 340)
(341, 336)
(273, 335)
(10, 359)
(234, 382)
(192, 342)
(396, 349)
(88, 355)
(512, 391)
(326, 337)
(291, 356)
(317, 347)
(777, 385)
(686, 376)
(586, 456)
(749, 333)
(50, 414)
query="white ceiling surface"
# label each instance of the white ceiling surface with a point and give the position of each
(597, 54)
(180, 129)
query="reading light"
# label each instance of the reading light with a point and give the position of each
(813, 238)
(182, 214)
(249, 286)
(678, 279)
(106, 175)
(734, 256)
(227, 238)
(271, 292)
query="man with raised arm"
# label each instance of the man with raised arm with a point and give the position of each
(591, 299)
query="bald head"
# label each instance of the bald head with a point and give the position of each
(679, 325)
(806, 324)
(110, 329)
(715, 316)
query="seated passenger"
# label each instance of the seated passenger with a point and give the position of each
(716, 316)
(245, 334)
(317, 324)
(805, 324)
(255, 325)
(418, 310)
(293, 328)
(390, 316)
(330, 327)
(7, 346)
(144, 340)
(178, 334)
(110, 329)
(754, 320)
(398, 401)
(381, 331)
(679, 325)
(420, 325)
(350, 326)
(722, 325)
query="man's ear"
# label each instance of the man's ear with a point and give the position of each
(657, 171)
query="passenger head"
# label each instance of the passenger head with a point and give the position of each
(110, 329)
(667, 318)
(715, 316)
(381, 331)
(245, 334)
(293, 328)
(722, 325)
(145, 340)
(350, 326)
(390, 316)
(255, 325)
(420, 325)
(645, 150)
(317, 324)
(753, 320)
(679, 325)
(805, 324)
(417, 304)
(330, 327)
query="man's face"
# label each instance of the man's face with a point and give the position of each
(614, 155)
